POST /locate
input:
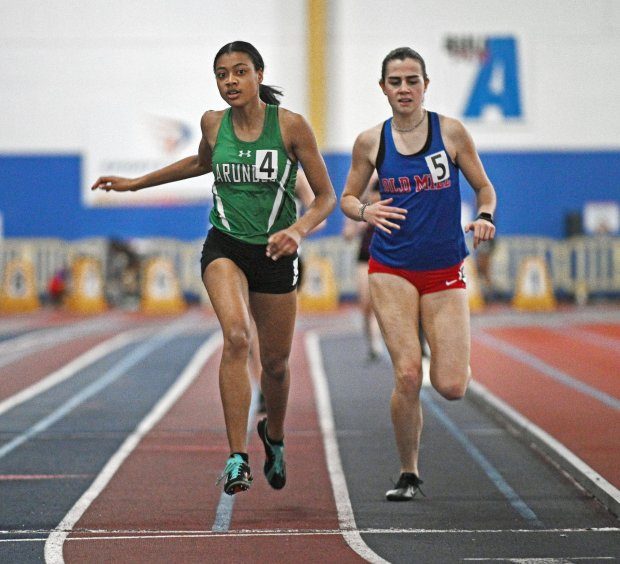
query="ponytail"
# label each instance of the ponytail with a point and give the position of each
(269, 94)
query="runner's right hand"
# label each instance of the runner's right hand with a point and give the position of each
(114, 183)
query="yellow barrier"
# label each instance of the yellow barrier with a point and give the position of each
(534, 290)
(161, 292)
(86, 291)
(319, 291)
(19, 290)
(474, 293)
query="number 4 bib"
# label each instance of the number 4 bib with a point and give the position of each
(267, 164)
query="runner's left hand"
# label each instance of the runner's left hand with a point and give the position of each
(283, 243)
(483, 231)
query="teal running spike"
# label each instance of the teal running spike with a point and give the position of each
(238, 475)
(275, 467)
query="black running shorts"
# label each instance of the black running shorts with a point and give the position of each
(264, 275)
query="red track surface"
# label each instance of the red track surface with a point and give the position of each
(29, 370)
(168, 484)
(585, 425)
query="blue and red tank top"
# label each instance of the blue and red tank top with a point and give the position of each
(426, 184)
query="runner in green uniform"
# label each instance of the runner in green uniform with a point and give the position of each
(254, 191)
(249, 259)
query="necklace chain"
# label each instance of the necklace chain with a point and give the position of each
(410, 128)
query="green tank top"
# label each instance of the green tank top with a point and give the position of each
(254, 187)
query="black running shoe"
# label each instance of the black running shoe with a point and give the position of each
(406, 488)
(238, 475)
(262, 406)
(275, 468)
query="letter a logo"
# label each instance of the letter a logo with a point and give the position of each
(497, 83)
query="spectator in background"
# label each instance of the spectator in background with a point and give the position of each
(123, 274)
(364, 232)
(57, 287)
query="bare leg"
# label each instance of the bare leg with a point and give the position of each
(398, 320)
(254, 358)
(255, 365)
(275, 321)
(445, 316)
(371, 327)
(228, 292)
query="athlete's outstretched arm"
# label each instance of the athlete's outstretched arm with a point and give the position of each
(188, 167)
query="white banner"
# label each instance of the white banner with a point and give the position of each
(133, 145)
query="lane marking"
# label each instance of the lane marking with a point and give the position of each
(541, 559)
(494, 475)
(606, 493)
(590, 337)
(224, 510)
(24, 477)
(525, 358)
(185, 448)
(99, 534)
(89, 357)
(280, 531)
(110, 376)
(15, 349)
(346, 519)
(56, 539)
(589, 478)
(508, 318)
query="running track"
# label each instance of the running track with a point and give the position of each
(112, 436)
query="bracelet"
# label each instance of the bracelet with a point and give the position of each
(362, 210)
(486, 216)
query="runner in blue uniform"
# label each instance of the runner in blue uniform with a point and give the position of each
(417, 252)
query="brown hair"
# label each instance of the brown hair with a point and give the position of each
(401, 54)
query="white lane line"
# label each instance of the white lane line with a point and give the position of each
(280, 531)
(15, 349)
(30, 477)
(98, 534)
(223, 513)
(493, 474)
(533, 361)
(113, 374)
(509, 318)
(591, 480)
(590, 337)
(89, 357)
(346, 519)
(55, 541)
(541, 560)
